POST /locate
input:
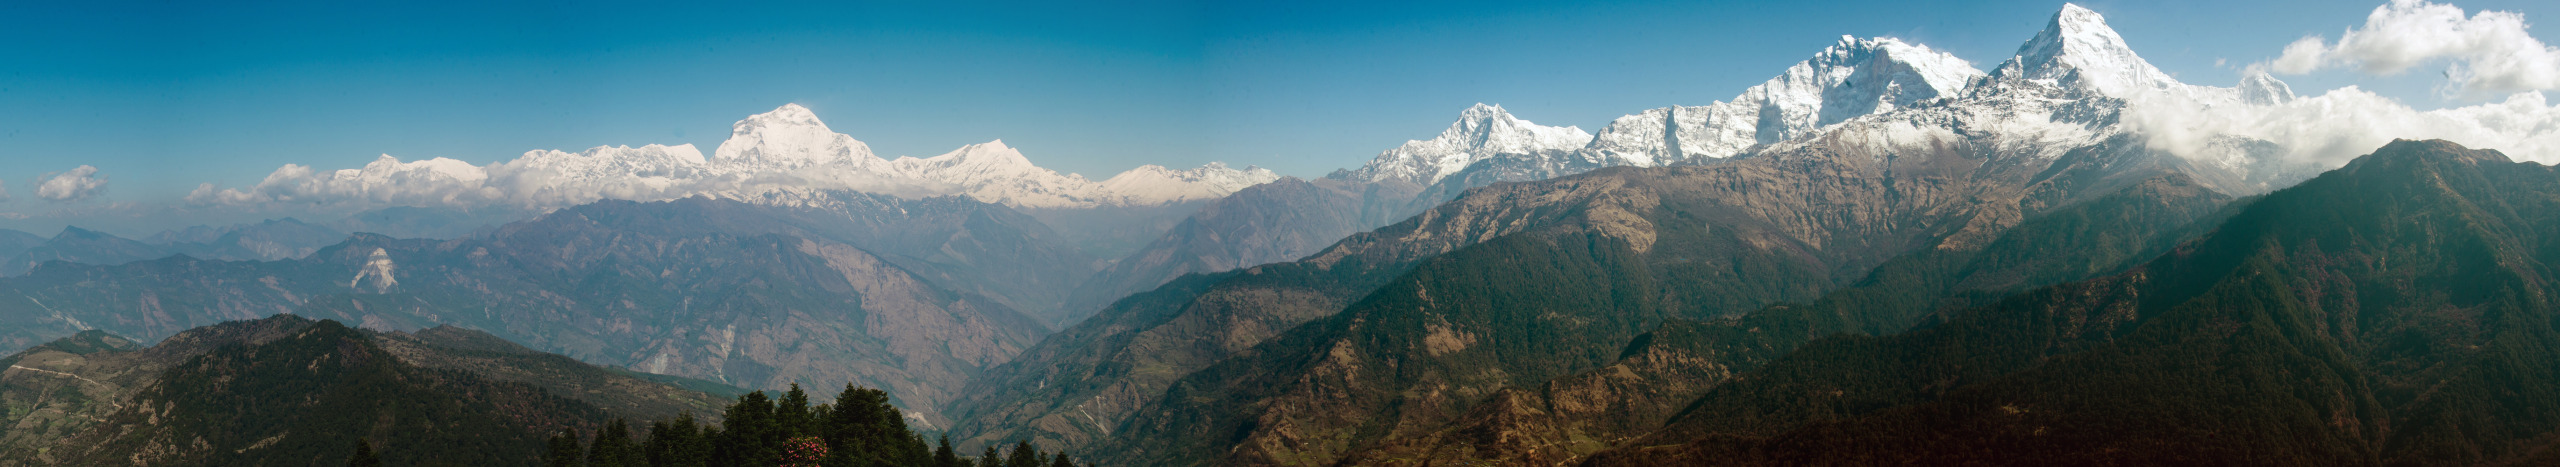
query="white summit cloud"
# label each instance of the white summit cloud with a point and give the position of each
(787, 149)
(2335, 126)
(2490, 53)
(81, 183)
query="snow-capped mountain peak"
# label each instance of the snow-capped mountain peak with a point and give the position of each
(1482, 131)
(789, 137)
(2078, 45)
(1488, 129)
(2259, 88)
(988, 157)
(783, 156)
(1151, 184)
(1851, 78)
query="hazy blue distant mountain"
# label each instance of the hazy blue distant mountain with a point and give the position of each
(1268, 223)
(268, 240)
(13, 242)
(698, 288)
(83, 246)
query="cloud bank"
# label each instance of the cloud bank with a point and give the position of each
(81, 183)
(2490, 53)
(2331, 128)
(537, 180)
(776, 156)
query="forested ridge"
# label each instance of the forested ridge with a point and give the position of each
(288, 390)
(2396, 311)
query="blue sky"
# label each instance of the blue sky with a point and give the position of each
(162, 96)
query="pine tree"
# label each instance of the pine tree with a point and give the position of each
(749, 435)
(791, 414)
(364, 455)
(680, 443)
(918, 453)
(1023, 455)
(564, 450)
(991, 458)
(613, 448)
(944, 457)
(1062, 460)
(862, 429)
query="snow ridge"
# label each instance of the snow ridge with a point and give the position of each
(1852, 78)
(2078, 47)
(784, 151)
(1482, 131)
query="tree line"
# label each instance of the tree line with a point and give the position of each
(860, 429)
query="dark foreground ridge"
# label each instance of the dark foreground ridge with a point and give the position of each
(2399, 310)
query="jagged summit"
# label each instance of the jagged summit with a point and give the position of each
(1488, 128)
(1851, 78)
(2077, 47)
(1482, 131)
(2259, 88)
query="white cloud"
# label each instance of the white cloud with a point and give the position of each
(79, 184)
(385, 181)
(4, 192)
(2331, 128)
(786, 150)
(537, 180)
(2490, 53)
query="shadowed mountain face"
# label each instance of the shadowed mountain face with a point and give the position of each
(1268, 223)
(2399, 310)
(657, 287)
(1106, 232)
(290, 390)
(952, 242)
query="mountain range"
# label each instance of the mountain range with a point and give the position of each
(1882, 254)
(1273, 353)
